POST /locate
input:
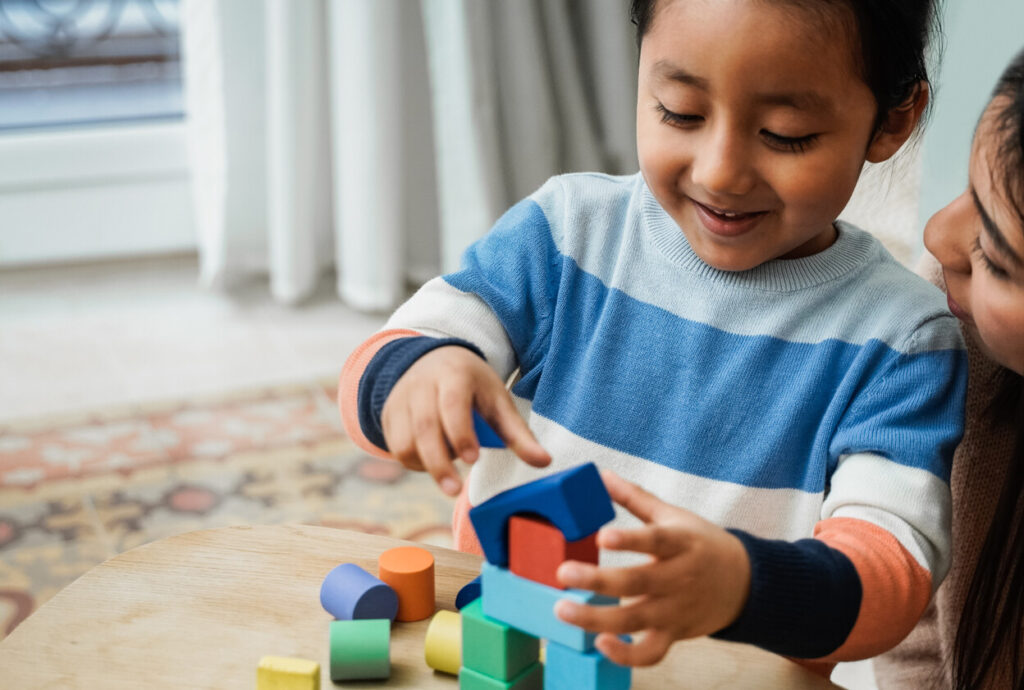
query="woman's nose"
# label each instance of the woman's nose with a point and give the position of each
(721, 168)
(949, 233)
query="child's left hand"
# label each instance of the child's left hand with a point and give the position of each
(696, 583)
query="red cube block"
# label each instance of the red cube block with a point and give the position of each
(536, 548)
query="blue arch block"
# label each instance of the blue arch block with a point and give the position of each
(469, 593)
(487, 437)
(574, 500)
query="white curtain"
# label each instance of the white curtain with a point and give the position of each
(378, 138)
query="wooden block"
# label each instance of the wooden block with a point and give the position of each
(469, 592)
(529, 606)
(360, 649)
(485, 435)
(349, 592)
(287, 673)
(442, 648)
(409, 570)
(532, 678)
(536, 548)
(493, 648)
(568, 668)
(574, 500)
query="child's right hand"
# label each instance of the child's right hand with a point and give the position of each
(427, 419)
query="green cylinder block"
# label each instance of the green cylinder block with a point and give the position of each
(360, 649)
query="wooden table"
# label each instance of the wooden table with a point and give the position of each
(199, 610)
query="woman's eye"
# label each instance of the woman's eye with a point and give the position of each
(990, 265)
(672, 118)
(790, 144)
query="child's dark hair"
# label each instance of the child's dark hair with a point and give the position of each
(894, 36)
(990, 635)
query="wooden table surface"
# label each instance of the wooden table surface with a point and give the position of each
(199, 610)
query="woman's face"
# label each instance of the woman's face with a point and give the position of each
(979, 240)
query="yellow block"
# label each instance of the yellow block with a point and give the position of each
(286, 673)
(443, 647)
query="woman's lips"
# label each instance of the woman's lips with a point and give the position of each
(726, 223)
(957, 310)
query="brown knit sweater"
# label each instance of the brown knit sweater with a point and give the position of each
(923, 659)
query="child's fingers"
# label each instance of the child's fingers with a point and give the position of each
(398, 433)
(663, 541)
(618, 619)
(501, 413)
(431, 444)
(644, 505)
(455, 403)
(647, 650)
(614, 582)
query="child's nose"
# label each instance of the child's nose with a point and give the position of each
(721, 166)
(948, 235)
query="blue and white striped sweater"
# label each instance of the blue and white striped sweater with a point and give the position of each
(767, 400)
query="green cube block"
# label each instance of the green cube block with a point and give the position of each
(493, 648)
(532, 678)
(360, 649)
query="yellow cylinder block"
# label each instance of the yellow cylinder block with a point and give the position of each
(443, 646)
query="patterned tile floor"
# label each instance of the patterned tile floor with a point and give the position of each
(78, 489)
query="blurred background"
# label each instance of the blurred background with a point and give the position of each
(205, 205)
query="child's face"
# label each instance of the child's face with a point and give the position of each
(979, 240)
(751, 108)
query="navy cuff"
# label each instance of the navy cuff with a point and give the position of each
(804, 598)
(384, 370)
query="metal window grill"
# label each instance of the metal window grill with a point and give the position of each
(71, 62)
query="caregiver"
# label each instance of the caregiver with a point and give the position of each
(972, 636)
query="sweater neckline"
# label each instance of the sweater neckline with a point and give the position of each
(852, 248)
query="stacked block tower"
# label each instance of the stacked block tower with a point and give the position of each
(526, 533)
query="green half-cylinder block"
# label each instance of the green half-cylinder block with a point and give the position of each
(532, 678)
(360, 649)
(493, 648)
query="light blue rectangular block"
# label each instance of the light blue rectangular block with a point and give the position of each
(529, 606)
(568, 668)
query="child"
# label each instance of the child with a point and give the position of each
(708, 330)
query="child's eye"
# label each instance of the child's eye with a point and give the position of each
(791, 144)
(987, 262)
(670, 118)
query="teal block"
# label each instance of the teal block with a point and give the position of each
(495, 648)
(532, 678)
(568, 668)
(529, 606)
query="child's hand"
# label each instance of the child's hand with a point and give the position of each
(427, 418)
(696, 583)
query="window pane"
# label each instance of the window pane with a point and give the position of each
(72, 62)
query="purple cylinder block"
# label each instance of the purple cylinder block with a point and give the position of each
(351, 593)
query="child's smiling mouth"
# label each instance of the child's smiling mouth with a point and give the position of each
(726, 223)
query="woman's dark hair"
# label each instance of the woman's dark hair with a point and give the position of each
(894, 36)
(990, 636)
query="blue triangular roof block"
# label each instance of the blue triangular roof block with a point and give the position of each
(574, 500)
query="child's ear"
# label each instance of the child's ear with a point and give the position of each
(898, 125)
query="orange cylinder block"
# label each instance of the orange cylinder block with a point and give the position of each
(409, 570)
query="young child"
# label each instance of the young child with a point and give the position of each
(709, 331)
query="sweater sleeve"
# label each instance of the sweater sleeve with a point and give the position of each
(882, 545)
(498, 304)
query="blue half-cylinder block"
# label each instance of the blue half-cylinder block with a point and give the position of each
(529, 606)
(569, 668)
(469, 592)
(574, 500)
(350, 593)
(487, 437)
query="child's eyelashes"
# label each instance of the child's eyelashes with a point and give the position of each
(670, 118)
(791, 144)
(776, 141)
(990, 265)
